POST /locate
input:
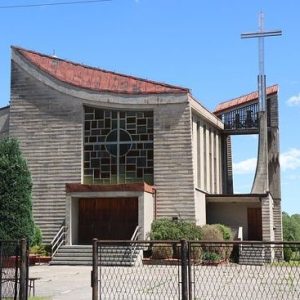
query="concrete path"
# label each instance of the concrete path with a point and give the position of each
(62, 282)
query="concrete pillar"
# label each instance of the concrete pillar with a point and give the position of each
(261, 180)
(267, 218)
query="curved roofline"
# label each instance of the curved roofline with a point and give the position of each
(5, 107)
(173, 88)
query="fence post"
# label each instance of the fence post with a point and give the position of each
(23, 270)
(95, 271)
(184, 269)
(1, 269)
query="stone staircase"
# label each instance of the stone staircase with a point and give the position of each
(252, 255)
(108, 255)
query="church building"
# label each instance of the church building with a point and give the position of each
(109, 152)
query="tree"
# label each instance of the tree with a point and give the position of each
(291, 227)
(15, 193)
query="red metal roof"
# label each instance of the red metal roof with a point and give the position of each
(243, 99)
(96, 79)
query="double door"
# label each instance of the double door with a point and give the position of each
(107, 219)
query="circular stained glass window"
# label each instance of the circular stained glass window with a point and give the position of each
(118, 139)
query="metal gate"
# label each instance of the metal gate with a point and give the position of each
(13, 270)
(195, 270)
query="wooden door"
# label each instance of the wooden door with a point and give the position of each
(107, 219)
(254, 224)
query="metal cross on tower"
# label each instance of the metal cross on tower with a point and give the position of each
(261, 180)
(260, 35)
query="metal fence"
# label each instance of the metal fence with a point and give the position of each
(195, 270)
(13, 270)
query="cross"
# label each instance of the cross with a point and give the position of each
(260, 35)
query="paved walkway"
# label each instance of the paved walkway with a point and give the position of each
(62, 282)
(226, 282)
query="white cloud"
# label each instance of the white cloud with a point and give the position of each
(245, 166)
(289, 160)
(294, 100)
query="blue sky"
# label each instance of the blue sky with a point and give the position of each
(191, 43)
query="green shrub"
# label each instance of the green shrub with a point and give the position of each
(162, 251)
(226, 231)
(38, 250)
(211, 256)
(166, 229)
(212, 233)
(287, 253)
(196, 253)
(216, 233)
(37, 236)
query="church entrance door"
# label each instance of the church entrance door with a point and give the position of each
(254, 224)
(107, 219)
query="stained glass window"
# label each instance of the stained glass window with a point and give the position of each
(118, 146)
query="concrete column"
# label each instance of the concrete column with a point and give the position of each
(218, 164)
(68, 219)
(277, 215)
(267, 218)
(212, 163)
(202, 171)
(261, 180)
(208, 170)
(194, 149)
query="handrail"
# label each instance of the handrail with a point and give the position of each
(135, 233)
(240, 233)
(134, 237)
(58, 239)
(240, 238)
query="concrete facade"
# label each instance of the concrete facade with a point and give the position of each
(4, 122)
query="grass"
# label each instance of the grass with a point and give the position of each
(39, 298)
(30, 298)
(291, 263)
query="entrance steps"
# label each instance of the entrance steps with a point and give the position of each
(255, 254)
(75, 255)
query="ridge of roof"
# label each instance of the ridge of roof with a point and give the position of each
(273, 89)
(93, 78)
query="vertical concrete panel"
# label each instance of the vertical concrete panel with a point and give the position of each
(277, 215)
(212, 163)
(200, 207)
(147, 213)
(195, 150)
(201, 141)
(173, 161)
(267, 218)
(208, 170)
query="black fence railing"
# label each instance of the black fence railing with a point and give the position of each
(241, 118)
(195, 270)
(13, 270)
